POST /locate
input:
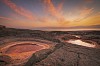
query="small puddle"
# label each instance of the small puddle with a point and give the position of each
(76, 36)
(82, 43)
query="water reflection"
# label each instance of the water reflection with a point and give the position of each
(79, 42)
(76, 36)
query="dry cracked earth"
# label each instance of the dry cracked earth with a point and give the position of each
(48, 48)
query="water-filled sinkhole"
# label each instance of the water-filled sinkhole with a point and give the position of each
(82, 43)
(22, 50)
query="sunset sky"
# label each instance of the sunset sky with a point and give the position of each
(49, 13)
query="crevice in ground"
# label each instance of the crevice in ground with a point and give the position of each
(34, 59)
(78, 59)
(78, 53)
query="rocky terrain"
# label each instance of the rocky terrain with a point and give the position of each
(60, 52)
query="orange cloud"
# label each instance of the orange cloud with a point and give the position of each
(56, 11)
(52, 10)
(86, 11)
(92, 20)
(60, 6)
(9, 22)
(6, 18)
(19, 10)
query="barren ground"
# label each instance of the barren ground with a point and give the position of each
(49, 48)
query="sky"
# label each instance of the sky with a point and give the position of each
(31, 14)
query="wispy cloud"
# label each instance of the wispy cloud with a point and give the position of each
(19, 9)
(56, 11)
(60, 6)
(92, 20)
(10, 22)
(84, 13)
(5, 18)
(52, 10)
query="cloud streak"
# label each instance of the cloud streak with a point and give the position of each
(6, 18)
(52, 10)
(84, 13)
(60, 6)
(56, 12)
(19, 9)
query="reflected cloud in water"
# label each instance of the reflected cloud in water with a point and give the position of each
(79, 42)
